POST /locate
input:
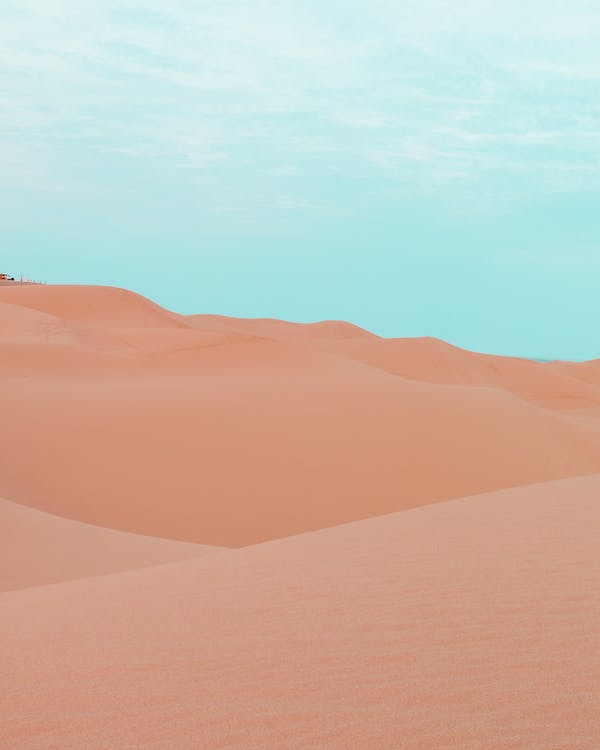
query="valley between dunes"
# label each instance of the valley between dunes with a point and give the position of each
(224, 533)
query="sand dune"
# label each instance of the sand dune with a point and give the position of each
(225, 433)
(312, 439)
(552, 384)
(37, 548)
(423, 624)
(589, 372)
(325, 329)
(470, 624)
(18, 320)
(431, 360)
(91, 305)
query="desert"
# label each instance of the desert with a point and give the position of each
(248, 533)
(299, 375)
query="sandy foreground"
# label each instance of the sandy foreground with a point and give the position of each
(221, 533)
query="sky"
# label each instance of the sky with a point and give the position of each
(418, 167)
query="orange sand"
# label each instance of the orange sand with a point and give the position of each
(37, 548)
(467, 624)
(232, 432)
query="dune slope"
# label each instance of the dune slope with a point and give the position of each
(37, 548)
(468, 624)
(93, 305)
(121, 414)
(551, 384)
(312, 440)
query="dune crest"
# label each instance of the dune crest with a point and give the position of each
(92, 305)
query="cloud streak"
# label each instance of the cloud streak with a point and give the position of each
(444, 92)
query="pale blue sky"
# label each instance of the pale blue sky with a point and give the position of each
(419, 167)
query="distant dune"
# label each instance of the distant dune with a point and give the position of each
(167, 422)
(230, 533)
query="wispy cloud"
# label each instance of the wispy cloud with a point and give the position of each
(453, 91)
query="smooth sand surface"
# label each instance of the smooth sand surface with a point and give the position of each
(469, 624)
(91, 305)
(37, 548)
(224, 533)
(227, 433)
